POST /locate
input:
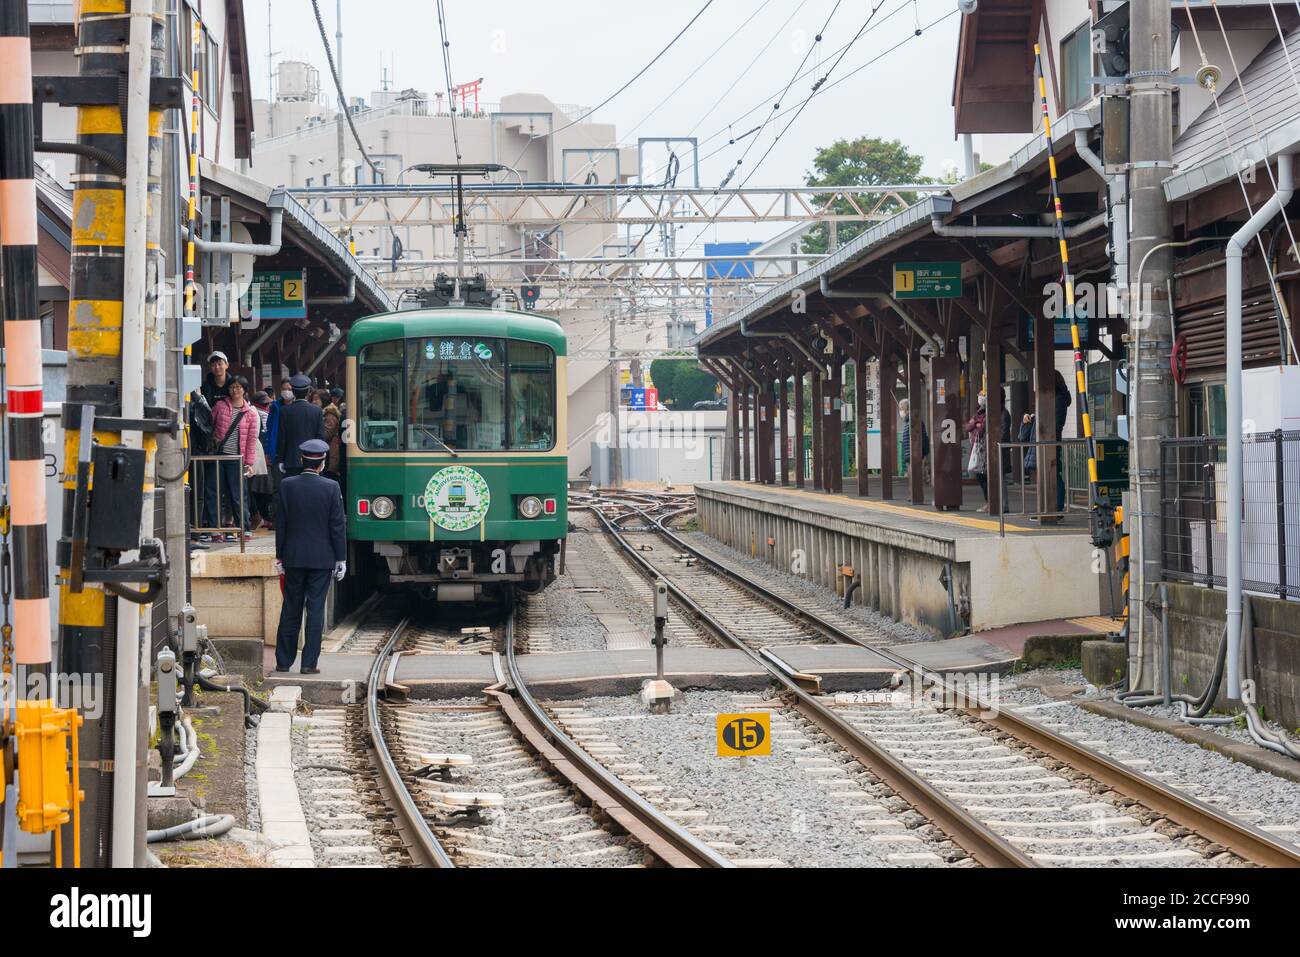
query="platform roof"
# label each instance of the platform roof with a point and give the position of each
(1016, 177)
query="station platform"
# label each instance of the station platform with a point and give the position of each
(237, 593)
(904, 553)
(576, 674)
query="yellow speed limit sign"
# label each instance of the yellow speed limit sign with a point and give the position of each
(744, 735)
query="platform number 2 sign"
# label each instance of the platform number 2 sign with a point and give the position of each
(744, 735)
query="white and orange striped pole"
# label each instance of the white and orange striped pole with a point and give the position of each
(24, 401)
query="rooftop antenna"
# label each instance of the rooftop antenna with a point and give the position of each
(270, 73)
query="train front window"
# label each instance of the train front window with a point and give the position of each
(458, 393)
(456, 387)
(532, 397)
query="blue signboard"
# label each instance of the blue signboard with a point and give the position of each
(634, 398)
(737, 268)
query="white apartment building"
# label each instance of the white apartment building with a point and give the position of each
(298, 145)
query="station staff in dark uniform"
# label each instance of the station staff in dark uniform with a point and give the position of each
(299, 422)
(310, 548)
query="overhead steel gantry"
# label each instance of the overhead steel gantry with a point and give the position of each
(534, 205)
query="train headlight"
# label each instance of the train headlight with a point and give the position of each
(382, 507)
(530, 506)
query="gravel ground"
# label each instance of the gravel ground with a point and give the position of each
(572, 625)
(1236, 731)
(253, 820)
(815, 597)
(540, 825)
(1256, 796)
(788, 807)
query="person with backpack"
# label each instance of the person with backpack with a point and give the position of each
(236, 425)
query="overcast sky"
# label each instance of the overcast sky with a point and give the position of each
(581, 51)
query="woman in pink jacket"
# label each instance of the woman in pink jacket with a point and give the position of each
(235, 427)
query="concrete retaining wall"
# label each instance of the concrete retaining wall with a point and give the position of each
(237, 595)
(900, 573)
(1196, 624)
(996, 581)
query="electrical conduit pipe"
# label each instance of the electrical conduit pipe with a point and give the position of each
(1233, 257)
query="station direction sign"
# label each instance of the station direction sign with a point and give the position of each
(934, 280)
(279, 294)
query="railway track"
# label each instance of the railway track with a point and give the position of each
(1009, 791)
(494, 783)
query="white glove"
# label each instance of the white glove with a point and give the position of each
(278, 567)
(340, 569)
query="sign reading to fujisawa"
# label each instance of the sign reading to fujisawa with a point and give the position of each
(941, 280)
(743, 735)
(457, 498)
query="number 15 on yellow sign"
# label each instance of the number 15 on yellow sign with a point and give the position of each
(744, 735)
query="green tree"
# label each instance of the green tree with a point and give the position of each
(865, 161)
(681, 383)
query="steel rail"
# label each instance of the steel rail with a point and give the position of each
(1246, 840)
(421, 842)
(661, 835)
(974, 836)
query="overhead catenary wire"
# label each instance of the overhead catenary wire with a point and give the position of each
(829, 86)
(347, 114)
(640, 73)
(451, 86)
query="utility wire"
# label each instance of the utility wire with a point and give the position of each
(347, 114)
(830, 86)
(640, 73)
(754, 109)
(446, 68)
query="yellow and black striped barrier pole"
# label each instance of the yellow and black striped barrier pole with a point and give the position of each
(1101, 521)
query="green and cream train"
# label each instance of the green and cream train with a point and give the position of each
(456, 457)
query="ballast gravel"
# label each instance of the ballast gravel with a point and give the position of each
(872, 625)
(1255, 796)
(787, 807)
(572, 625)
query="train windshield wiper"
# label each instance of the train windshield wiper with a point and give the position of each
(447, 448)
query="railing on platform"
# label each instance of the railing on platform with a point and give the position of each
(1194, 511)
(207, 468)
(1015, 465)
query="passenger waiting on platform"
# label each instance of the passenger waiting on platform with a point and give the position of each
(236, 425)
(299, 421)
(1030, 454)
(333, 431)
(310, 547)
(1063, 401)
(905, 413)
(261, 487)
(216, 386)
(978, 462)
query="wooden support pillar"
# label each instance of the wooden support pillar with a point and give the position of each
(917, 400)
(995, 406)
(766, 428)
(834, 426)
(860, 419)
(800, 479)
(818, 432)
(734, 399)
(747, 405)
(1045, 409)
(888, 423)
(783, 410)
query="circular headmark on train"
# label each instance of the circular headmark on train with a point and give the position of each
(457, 498)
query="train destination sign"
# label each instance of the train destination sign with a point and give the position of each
(744, 735)
(457, 498)
(939, 280)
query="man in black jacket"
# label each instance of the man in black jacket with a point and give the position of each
(299, 422)
(310, 547)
